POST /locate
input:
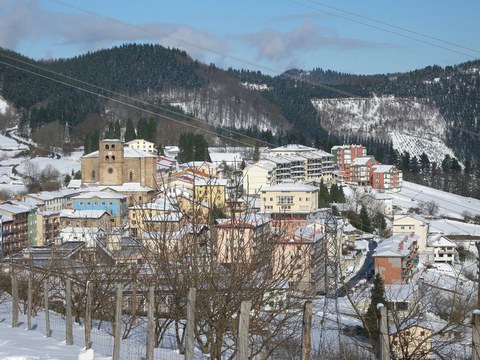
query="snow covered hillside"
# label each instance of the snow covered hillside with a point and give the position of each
(412, 125)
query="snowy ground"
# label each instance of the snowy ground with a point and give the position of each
(450, 205)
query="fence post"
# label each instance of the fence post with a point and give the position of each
(384, 348)
(29, 300)
(88, 316)
(306, 330)
(68, 312)
(47, 312)
(150, 323)
(14, 301)
(190, 329)
(118, 322)
(476, 335)
(243, 325)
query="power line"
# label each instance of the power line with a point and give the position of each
(125, 103)
(389, 31)
(395, 26)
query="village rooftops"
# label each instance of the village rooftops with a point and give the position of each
(14, 209)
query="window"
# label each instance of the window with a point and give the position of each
(110, 170)
(113, 157)
(107, 146)
(130, 176)
(107, 158)
(93, 174)
(285, 199)
(113, 146)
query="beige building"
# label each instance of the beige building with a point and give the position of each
(240, 239)
(414, 224)
(289, 199)
(114, 164)
(142, 214)
(143, 145)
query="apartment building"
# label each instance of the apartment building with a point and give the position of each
(289, 200)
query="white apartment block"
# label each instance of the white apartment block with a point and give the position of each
(289, 163)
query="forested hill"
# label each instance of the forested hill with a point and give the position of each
(279, 108)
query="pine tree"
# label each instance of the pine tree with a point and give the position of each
(130, 131)
(366, 224)
(370, 320)
(323, 195)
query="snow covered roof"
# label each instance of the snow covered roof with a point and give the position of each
(83, 214)
(99, 195)
(439, 240)
(289, 187)
(127, 187)
(14, 209)
(292, 147)
(229, 158)
(395, 246)
(361, 160)
(211, 182)
(382, 168)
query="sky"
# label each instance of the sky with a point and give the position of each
(360, 37)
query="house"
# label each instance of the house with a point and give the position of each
(140, 213)
(343, 157)
(211, 191)
(443, 249)
(136, 193)
(240, 239)
(289, 200)
(360, 170)
(293, 258)
(47, 226)
(143, 145)
(101, 219)
(396, 257)
(88, 235)
(15, 227)
(386, 177)
(414, 224)
(115, 204)
(114, 164)
(410, 341)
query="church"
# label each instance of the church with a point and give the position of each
(115, 166)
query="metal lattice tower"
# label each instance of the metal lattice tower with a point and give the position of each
(66, 136)
(328, 276)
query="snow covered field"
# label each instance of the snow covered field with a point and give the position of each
(450, 205)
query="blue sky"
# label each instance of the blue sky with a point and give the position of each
(267, 35)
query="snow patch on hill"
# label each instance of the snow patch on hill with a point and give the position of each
(413, 125)
(3, 106)
(436, 150)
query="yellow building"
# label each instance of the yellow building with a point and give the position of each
(289, 199)
(114, 164)
(412, 342)
(141, 214)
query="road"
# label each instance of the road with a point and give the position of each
(366, 271)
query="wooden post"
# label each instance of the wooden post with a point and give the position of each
(150, 323)
(190, 328)
(243, 325)
(306, 330)
(14, 301)
(29, 300)
(383, 347)
(47, 312)
(88, 316)
(118, 322)
(68, 313)
(476, 335)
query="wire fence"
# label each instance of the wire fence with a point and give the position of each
(58, 307)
